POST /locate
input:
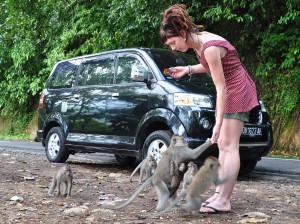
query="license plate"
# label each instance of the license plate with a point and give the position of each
(252, 131)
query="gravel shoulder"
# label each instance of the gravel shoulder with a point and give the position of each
(25, 178)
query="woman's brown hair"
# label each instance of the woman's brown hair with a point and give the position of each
(175, 19)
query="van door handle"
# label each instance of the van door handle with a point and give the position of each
(115, 95)
(76, 96)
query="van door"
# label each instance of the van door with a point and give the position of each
(95, 75)
(127, 101)
(59, 102)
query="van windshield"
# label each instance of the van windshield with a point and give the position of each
(166, 59)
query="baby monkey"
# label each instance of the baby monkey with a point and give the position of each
(64, 176)
(189, 175)
(146, 167)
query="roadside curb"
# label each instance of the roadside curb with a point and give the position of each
(279, 166)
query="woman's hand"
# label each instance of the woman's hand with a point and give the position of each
(178, 72)
(215, 134)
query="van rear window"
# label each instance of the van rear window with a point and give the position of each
(64, 74)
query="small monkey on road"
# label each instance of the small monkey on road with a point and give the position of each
(205, 177)
(64, 176)
(147, 168)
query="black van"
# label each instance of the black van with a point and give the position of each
(124, 102)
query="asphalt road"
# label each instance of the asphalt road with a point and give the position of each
(267, 166)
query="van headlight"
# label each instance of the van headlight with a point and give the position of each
(263, 108)
(184, 99)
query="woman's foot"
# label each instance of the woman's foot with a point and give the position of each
(216, 207)
(211, 199)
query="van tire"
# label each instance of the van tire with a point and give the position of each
(55, 146)
(247, 166)
(125, 160)
(156, 143)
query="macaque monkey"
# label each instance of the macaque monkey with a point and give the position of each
(189, 175)
(146, 167)
(177, 141)
(206, 176)
(64, 176)
(165, 184)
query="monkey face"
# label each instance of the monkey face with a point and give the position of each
(192, 167)
(177, 140)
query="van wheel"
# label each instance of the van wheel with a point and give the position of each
(55, 146)
(247, 166)
(156, 143)
(125, 160)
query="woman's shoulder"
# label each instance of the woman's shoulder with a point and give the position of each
(207, 36)
(217, 43)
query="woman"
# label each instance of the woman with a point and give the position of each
(236, 92)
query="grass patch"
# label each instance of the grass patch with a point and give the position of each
(283, 155)
(20, 128)
(19, 137)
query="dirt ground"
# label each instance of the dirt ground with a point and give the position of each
(25, 178)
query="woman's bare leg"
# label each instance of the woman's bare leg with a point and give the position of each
(229, 158)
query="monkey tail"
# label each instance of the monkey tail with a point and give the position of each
(173, 204)
(147, 183)
(135, 170)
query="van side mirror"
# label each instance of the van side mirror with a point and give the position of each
(139, 73)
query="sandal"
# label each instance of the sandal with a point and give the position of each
(214, 211)
(207, 202)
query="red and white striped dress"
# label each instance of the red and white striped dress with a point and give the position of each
(241, 93)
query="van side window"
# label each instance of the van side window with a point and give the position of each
(96, 72)
(126, 67)
(64, 74)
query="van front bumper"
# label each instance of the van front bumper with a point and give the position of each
(40, 136)
(248, 150)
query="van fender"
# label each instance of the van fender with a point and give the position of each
(56, 119)
(159, 115)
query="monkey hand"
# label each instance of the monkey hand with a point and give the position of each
(208, 142)
(181, 167)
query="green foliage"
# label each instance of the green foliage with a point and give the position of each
(22, 51)
(35, 34)
(278, 66)
(15, 126)
(266, 34)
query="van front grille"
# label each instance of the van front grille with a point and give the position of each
(255, 115)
